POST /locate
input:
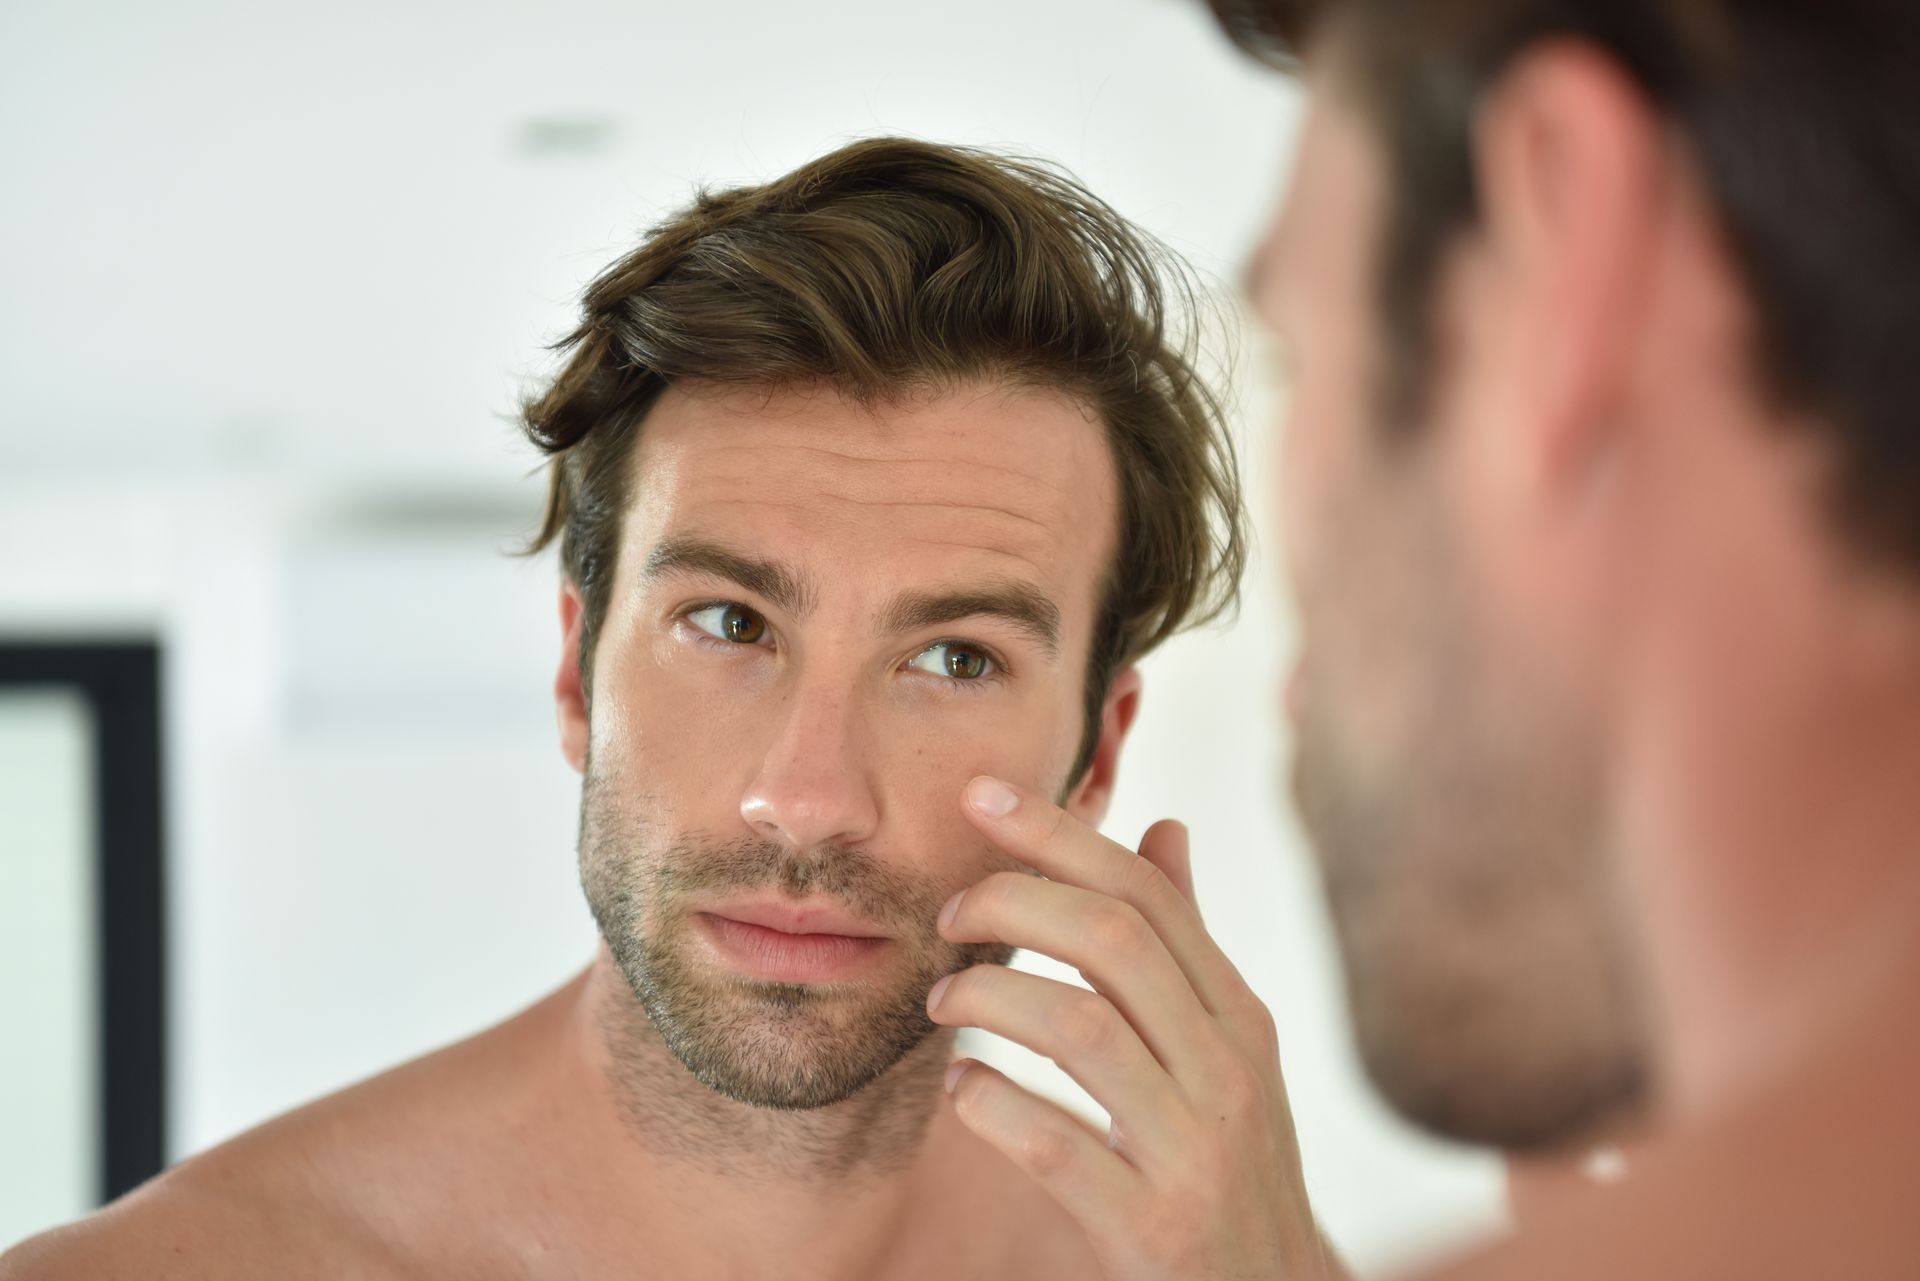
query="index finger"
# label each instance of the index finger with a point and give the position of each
(1060, 847)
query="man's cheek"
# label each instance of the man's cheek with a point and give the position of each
(924, 800)
(1304, 478)
(672, 729)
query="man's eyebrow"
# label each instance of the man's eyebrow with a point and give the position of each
(769, 579)
(1017, 603)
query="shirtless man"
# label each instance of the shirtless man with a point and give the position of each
(1601, 495)
(866, 482)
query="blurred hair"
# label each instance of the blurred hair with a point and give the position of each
(1801, 117)
(892, 267)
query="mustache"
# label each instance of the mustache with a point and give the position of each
(854, 877)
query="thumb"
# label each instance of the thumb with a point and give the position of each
(1166, 845)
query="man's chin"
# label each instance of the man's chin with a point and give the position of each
(788, 1068)
(785, 1046)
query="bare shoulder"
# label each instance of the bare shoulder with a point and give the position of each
(368, 1182)
(296, 1196)
(201, 1221)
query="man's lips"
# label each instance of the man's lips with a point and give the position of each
(798, 918)
(784, 943)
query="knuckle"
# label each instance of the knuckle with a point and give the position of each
(1259, 1021)
(1116, 927)
(1249, 1022)
(1046, 1152)
(1084, 1023)
(1146, 884)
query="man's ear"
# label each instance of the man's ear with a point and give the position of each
(1569, 160)
(1090, 797)
(569, 695)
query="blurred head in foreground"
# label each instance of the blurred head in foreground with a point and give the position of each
(1602, 508)
(865, 481)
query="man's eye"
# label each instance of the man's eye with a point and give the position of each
(955, 661)
(734, 623)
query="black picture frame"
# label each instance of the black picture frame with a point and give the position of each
(120, 681)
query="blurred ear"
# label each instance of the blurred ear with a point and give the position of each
(569, 696)
(1092, 795)
(1569, 160)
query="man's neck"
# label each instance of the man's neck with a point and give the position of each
(845, 1180)
(1772, 826)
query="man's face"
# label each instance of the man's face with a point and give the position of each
(1449, 785)
(825, 620)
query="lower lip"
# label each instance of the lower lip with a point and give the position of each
(778, 957)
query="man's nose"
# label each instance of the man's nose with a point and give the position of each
(814, 786)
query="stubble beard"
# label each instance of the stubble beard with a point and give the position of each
(1463, 855)
(785, 1046)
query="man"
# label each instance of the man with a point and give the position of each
(866, 482)
(1602, 508)
(1603, 521)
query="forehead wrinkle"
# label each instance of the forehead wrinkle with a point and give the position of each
(709, 509)
(940, 506)
(759, 452)
(808, 506)
(811, 510)
(1028, 561)
(932, 487)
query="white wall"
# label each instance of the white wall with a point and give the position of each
(271, 277)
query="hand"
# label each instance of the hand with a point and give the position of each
(1199, 1175)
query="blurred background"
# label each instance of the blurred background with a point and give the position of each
(280, 797)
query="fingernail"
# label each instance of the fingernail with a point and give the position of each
(956, 1070)
(933, 997)
(951, 910)
(992, 797)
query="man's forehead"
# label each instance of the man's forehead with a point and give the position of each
(1331, 197)
(982, 482)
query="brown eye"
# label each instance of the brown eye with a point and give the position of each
(954, 661)
(735, 623)
(743, 627)
(966, 664)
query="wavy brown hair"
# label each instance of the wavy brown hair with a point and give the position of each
(890, 267)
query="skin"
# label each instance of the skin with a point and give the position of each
(568, 1141)
(1696, 762)
(1637, 538)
